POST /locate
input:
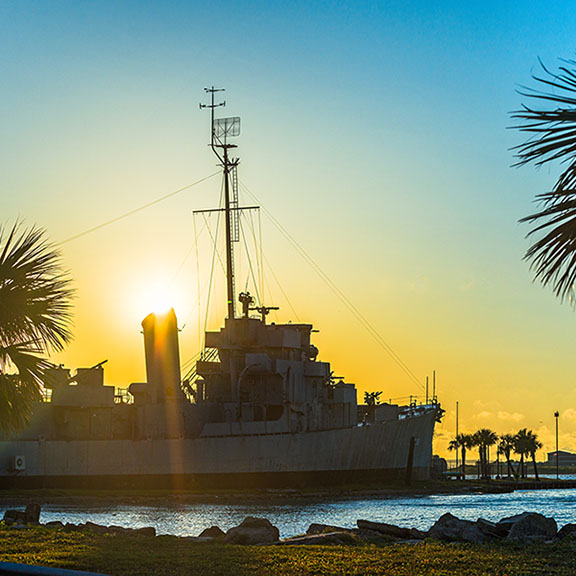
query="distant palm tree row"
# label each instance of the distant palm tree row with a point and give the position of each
(524, 443)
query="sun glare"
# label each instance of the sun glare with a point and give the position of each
(147, 299)
(161, 304)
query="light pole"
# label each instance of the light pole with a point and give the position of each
(556, 415)
(457, 447)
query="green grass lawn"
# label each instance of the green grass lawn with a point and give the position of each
(167, 555)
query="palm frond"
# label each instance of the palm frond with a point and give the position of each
(552, 131)
(35, 293)
(18, 396)
(35, 318)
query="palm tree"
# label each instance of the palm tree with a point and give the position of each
(372, 398)
(35, 314)
(454, 445)
(533, 445)
(527, 443)
(484, 438)
(552, 136)
(505, 447)
(461, 442)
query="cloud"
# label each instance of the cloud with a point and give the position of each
(569, 414)
(510, 416)
(443, 434)
(484, 415)
(483, 405)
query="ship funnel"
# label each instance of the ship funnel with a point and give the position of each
(162, 355)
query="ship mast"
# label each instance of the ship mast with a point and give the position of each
(221, 128)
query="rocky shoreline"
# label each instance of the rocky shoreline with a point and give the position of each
(527, 527)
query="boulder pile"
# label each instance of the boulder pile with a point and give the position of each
(31, 517)
(527, 527)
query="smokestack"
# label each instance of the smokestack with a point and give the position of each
(162, 355)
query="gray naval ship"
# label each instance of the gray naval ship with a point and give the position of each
(258, 408)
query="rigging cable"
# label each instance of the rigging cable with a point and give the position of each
(213, 259)
(198, 282)
(260, 255)
(214, 239)
(250, 267)
(341, 296)
(195, 245)
(281, 289)
(139, 209)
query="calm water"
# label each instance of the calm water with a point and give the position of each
(189, 519)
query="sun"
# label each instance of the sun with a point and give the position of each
(161, 303)
(156, 298)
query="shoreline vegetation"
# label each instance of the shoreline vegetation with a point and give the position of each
(131, 556)
(168, 555)
(526, 544)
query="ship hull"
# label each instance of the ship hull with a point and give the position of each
(386, 451)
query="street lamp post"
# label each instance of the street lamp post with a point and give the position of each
(457, 447)
(556, 415)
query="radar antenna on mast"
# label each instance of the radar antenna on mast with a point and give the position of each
(221, 130)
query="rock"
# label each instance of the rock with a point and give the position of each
(387, 529)
(32, 513)
(532, 526)
(371, 536)
(69, 527)
(509, 521)
(194, 539)
(491, 529)
(12, 517)
(214, 533)
(451, 529)
(321, 528)
(54, 524)
(472, 533)
(567, 531)
(101, 529)
(253, 531)
(416, 534)
(96, 528)
(506, 523)
(324, 539)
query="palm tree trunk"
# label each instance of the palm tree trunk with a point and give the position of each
(533, 454)
(463, 462)
(510, 469)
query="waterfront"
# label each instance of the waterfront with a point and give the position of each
(183, 516)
